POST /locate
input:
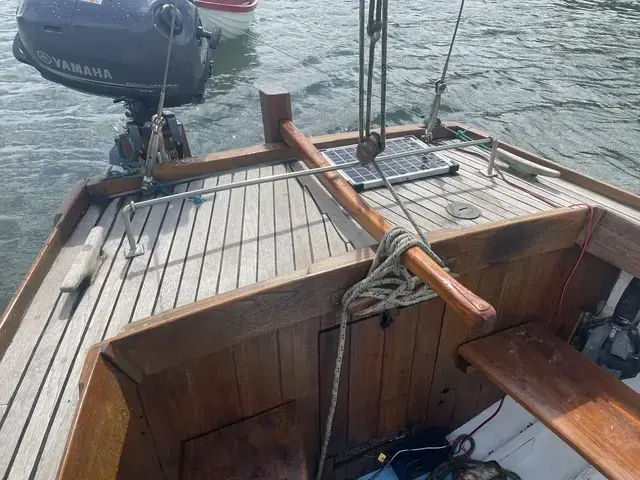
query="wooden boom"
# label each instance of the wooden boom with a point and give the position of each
(471, 308)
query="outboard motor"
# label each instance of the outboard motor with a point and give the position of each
(118, 49)
(614, 343)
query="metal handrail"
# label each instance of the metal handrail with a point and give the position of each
(135, 249)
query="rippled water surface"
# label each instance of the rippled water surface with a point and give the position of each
(559, 77)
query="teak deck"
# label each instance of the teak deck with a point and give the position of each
(274, 341)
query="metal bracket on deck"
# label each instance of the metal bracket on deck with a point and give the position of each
(134, 249)
(490, 172)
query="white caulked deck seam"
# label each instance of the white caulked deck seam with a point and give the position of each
(24, 400)
(71, 349)
(192, 270)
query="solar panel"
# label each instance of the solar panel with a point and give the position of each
(408, 167)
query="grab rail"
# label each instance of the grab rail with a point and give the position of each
(134, 249)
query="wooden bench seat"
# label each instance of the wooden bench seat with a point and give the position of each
(591, 410)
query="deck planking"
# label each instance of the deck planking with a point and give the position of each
(192, 252)
(22, 400)
(190, 280)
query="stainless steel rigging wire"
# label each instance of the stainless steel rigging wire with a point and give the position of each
(441, 85)
(156, 142)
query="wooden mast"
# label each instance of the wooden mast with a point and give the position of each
(276, 110)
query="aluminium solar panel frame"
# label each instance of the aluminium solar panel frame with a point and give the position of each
(409, 167)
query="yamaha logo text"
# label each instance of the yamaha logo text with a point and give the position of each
(71, 67)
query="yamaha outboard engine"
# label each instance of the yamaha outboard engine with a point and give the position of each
(118, 49)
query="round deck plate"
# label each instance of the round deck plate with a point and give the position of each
(463, 210)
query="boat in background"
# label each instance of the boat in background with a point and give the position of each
(233, 17)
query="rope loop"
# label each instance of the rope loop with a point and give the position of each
(388, 281)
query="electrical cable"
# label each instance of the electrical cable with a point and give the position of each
(404, 451)
(458, 442)
(577, 264)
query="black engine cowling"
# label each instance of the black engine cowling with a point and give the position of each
(116, 48)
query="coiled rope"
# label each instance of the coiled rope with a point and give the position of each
(387, 281)
(392, 285)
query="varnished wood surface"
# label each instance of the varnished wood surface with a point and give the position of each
(616, 240)
(186, 248)
(170, 338)
(55, 332)
(391, 378)
(109, 438)
(213, 163)
(588, 408)
(475, 310)
(265, 447)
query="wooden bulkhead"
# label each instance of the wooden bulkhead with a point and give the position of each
(178, 378)
(172, 394)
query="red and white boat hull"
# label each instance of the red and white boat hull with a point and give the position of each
(233, 17)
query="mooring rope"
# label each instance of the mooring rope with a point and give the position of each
(392, 285)
(388, 281)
